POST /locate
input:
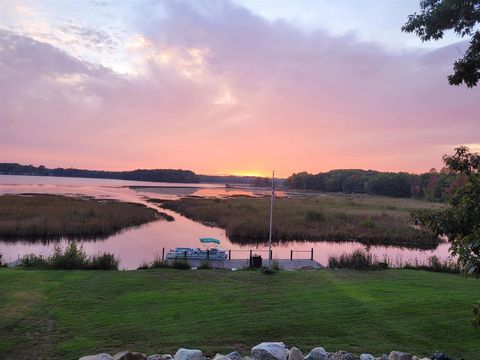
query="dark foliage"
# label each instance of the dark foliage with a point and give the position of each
(461, 16)
(433, 186)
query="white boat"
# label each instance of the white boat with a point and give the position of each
(215, 253)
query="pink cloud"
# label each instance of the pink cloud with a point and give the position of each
(224, 90)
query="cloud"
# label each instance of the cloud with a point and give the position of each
(220, 89)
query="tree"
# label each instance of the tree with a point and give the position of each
(461, 16)
(459, 221)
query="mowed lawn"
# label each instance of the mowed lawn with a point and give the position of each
(67, 314)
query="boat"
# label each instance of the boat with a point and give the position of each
(215, 253)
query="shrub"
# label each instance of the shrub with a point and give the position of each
(267, 271)
(358, 260)
(181, 264)
(476, 315)
(275, 265)
(33, 261)
(106, 261)
(434, 264)
(144, 266)
(205, 266)
(159, 263)
(73, 257)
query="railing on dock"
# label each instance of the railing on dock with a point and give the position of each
(252, 252)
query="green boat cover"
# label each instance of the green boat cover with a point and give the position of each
(209, 241)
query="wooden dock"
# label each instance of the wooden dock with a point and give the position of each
(238, 264)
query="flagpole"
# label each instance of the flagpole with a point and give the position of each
(271, 218)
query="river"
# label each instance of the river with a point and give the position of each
(136, 245)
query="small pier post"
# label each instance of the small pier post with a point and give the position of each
(311, 255)
(208, 254)
(229, 254)
(163, 254)
(185, 254)
(291, 254)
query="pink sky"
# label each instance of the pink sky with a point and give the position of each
(223, 90)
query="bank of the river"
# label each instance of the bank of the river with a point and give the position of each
(67, 314)
(362, 218)
(54, 216)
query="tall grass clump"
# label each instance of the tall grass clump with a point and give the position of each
(433, 263)
(358, 260)
(73, 257)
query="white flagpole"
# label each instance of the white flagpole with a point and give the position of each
(271, 217)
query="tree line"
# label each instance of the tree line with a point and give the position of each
(433, 185)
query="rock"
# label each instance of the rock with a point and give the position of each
(366, 357)
(166, 357)
(234, 356)
(154, 357)
(440, 356)
(97, 357)
(221, 357)
(318, 353)
(128, 355)
(269, 351)
(187, 354)
(397, 355)
(295, 354)
(342, 355)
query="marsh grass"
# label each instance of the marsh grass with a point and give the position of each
(55, 216)
(367, 219)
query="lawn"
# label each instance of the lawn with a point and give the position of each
(66, 314)
(338, 217)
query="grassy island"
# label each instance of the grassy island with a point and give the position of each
(68, 314)
(367, 219)
(53, 216)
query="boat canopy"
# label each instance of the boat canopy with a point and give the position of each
(209, 241)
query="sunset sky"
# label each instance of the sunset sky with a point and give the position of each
(223, 87)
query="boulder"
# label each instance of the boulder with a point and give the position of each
(221, 357)
(366, 357)
(166, 357)
(295, 354)
(270, 351)
(154, 357)
(188, 354)
(318, 353)
(440, 356)
(128, 355)
(342, 355)
(97, 357)
(397, 355)
(234, 356)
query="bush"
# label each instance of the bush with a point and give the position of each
(72, 258)
(106, 261)
(358, 260)
(267, 271)
(275, 265)
(181, 264)
(434, 264)
(159, 263)
(476, 315)
(205, 266)
(33, 261)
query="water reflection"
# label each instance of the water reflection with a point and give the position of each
(135, 245)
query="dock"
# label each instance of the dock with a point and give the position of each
(239, 264)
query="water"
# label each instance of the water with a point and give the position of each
(136, 245)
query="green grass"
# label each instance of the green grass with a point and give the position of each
(66, 314)
(367, 219)
(53, 216)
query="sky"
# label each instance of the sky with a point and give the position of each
(228, 87)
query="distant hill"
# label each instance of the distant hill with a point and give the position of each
(158, 175)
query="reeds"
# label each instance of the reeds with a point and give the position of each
(334, 218)
(55, 216)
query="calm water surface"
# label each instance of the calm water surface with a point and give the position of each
(135, 245)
